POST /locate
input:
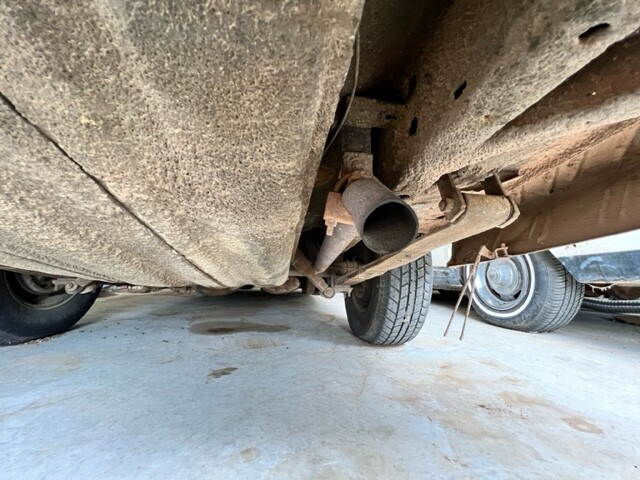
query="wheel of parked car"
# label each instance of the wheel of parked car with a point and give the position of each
(531, 293)
(32, 306)
(391, 309)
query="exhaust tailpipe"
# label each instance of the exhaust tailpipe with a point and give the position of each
(384, 222)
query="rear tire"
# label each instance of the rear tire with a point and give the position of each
(542, 298)
(391, 309)
(32, 307)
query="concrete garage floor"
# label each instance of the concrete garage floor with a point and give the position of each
(133, 392)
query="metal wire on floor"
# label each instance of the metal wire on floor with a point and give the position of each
(470, 280)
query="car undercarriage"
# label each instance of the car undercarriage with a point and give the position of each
(313, 145)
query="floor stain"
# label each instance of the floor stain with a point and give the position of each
(43, 402)
(166, 313)
(226, 328)
(61, 362)
(511, 380)
(455, 460)
(256, 343)
(221, 372)
(581, 425)
(526, 400)
(328, 318)
(574, 421)
(171, 360)
(450, 375)
(249, 454)
(491, 363)
(498, 411)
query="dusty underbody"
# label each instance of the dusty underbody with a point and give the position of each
(218, 144)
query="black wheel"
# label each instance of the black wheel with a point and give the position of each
(391, 309)
(31, 307)
(530, 293)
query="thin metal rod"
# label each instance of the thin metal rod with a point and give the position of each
(467, 282)
(455, 309)
(474, 272)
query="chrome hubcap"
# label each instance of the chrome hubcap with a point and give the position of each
(503, 285)
(503, 277)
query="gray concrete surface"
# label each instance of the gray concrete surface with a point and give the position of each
(278, 388)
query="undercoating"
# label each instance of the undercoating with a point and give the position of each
(170, 143)
(165, 143)
(486, 63)
(49, 229)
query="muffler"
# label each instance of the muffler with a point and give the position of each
(384, 222)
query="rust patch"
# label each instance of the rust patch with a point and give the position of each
(517, 398)
(582, 425)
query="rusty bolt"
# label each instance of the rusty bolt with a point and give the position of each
(446, 205)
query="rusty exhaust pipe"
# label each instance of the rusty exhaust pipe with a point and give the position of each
(385, 222)
(333, 245)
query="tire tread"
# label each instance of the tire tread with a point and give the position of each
(403, 298)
